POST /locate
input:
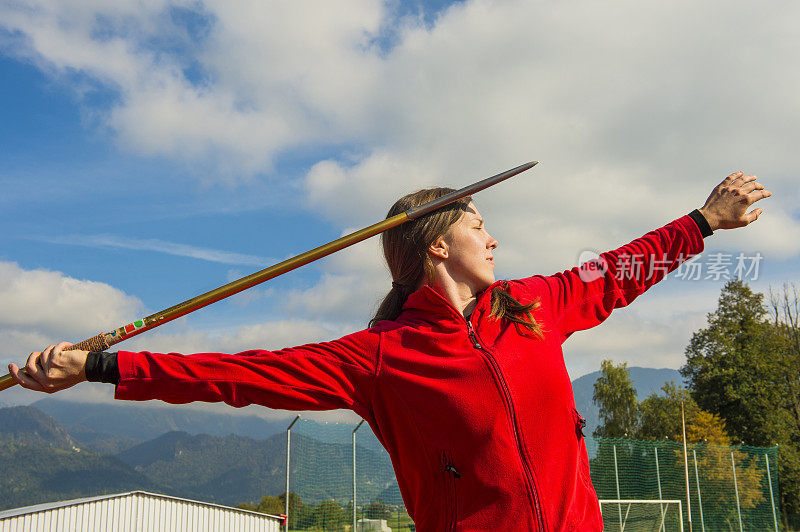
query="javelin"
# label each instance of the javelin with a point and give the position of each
(103, 341)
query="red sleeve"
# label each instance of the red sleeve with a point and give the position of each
(323, 376)
(584, 296)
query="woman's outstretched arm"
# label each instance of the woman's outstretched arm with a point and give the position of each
(320, 376)
(585, 296)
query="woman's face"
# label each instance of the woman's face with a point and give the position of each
(470, 257)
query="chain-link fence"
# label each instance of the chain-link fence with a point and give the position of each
(343, 479)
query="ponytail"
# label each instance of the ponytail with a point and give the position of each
(392, 304)
(506, 307)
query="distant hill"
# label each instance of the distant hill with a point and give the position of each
(112, 427)
(30, 426)
(645, 380)
(223, 469)
(231, 469)
(43, 462)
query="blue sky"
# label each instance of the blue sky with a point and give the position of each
(149, 152)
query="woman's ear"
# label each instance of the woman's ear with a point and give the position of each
(438, 249)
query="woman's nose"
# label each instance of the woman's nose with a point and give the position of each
(492, 243)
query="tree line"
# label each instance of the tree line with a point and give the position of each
(327, 515)
(742, 376)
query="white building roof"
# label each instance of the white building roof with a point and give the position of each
(129, 511)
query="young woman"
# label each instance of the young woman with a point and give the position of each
(460, 377)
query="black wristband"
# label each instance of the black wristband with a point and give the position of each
(701, 222)
(102, 367)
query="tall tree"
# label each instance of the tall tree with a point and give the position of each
(660, 415)
(730, 365)
(785, 307)
(615, 395)
(661, 419)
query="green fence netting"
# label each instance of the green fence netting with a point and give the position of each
(729, 487)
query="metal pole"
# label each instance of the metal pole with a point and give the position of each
(660, 496)
(686, 469)
(616, 475)
(699, 497)
(771, 496)
(103, 341)
(354, 473)
(736, 487)
(288, 449)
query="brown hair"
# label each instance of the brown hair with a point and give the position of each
(405, 248)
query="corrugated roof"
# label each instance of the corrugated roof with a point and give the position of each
(14, 512)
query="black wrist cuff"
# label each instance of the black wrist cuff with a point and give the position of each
(102, 367)
(701, 222)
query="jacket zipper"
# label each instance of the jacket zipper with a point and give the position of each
(473, 336)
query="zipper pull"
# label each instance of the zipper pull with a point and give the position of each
(451, 469)
(472, 336)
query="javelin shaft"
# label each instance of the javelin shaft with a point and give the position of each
(103, 341)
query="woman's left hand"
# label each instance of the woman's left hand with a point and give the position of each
(726, 207)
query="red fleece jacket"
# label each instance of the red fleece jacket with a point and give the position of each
(478, 416)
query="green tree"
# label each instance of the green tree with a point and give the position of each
(272, 505)
(329, 515)
(300, 514)
(615, 395)
(730, 363)
(660, 415)
(377, 510)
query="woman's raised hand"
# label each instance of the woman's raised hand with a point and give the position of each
(52, 369)
(726, 207)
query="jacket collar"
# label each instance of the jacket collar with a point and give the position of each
(433, 306)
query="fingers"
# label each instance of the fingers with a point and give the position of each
(753, 190)
(753, 215)
(747, 186)
(36, 369)
(45, 360)
(751, 186)
(23, 379)
(41, 369)
(32, 365)
(50, 357)
(728, 180)
(757, 195)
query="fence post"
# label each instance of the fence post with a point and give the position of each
(736, 487)
(686, 469)
(288, 450)
(354, 473)
(660, 496)
(771, 496)
(616, 475)
(699, 497)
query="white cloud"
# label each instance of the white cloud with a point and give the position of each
(51, 303)
(41, 307)
(639, 335)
